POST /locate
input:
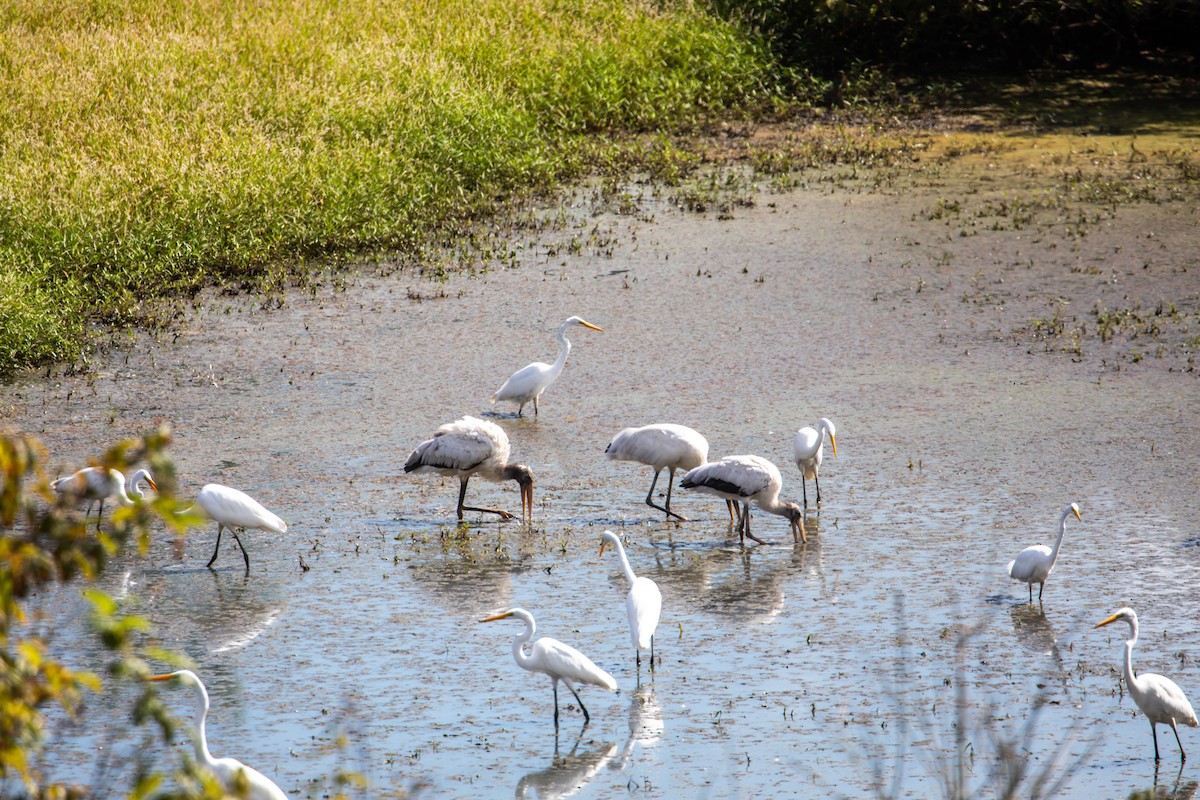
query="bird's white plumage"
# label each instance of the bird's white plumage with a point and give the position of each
(97, 483)
(530, 381)
(235, 777)
(1158, 697)
(469, 445)
(235, 509)
(551, 657)
(1035, 563)
(809, 445)
(643, 604)
(745, 479)
(661, 446)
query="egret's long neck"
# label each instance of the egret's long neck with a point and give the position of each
(1062, 529)
(523, 660)
(564, 349)
(628, 570)
(202, 715)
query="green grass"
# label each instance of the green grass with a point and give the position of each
(148, 149)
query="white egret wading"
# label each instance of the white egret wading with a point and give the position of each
(643, 604)
(235, 777)
(529, 382)
(472, 446)
(232, 509)
(1159, 698)
(743, 479)
(98, 484)
(807, 450)
(551, 657)
(1035, 563)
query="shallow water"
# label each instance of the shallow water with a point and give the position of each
(785, 670)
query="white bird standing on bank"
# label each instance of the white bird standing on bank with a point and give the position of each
(662, 446)
(529, 382)
(96, 483)
(1035, 563)
(472, 446)
(743, 479)
(643, 604)
(551, 657)
(232, 509)
(807, 450)
(1159, 698)
(235, 777)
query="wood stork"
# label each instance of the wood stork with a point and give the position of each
(529, 382)
(643, 604)
(96, 483)
(232, 509)
(743, 479)
(662, 446)
(1159, 698)
(1035, 563)
(472, 446)
(551, 657)
(807, 450)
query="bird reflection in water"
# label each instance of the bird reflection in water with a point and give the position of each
(1177, 791)
(567, 774)
(1034, 630)
(645, 725)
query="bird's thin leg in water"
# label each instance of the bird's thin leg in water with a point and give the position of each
(1154, 733)
(245, 555)
(1041, 588)
(650, 495)
(817, 482)
(462, 494)
(554, 683)
(535, 408)
(216, 549)
(670, 485)
(101, 514)
(1175, 730)
(746, 524)
(652, 652)
(804, 490)
(586, 717)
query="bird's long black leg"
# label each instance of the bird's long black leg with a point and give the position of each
(817, 483)
(1031, 594)
(1175, 730)
(1154, 733)
(1041, 588)
(652, 653)
(670, 485)
(216, 549)
(746, 522)
(462, 493)
(101, 514)
(804, 489)
(586, 717)
(535, 406)
(555, 684)
(245, 555)
(650, 495)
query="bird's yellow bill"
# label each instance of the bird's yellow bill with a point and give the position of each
(590, 325)
(603, 544)
(1076, 511)
(166, 677)
(150, 481)
(1113, 618)
(495, 617)
(833, 443)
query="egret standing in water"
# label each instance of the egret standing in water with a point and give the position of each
(551, 657)
(1035, 563)
(232, 509)
(807, 450)
(96, 483)
(1159, 698)
(529, 382)
(643, 604)
(472, 446)
(235, 777)
(743, 479)
(663, 446)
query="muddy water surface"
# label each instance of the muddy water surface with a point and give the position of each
(785, 670)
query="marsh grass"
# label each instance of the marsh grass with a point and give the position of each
(150, 149)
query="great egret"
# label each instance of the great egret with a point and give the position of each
(1035, 563)
(551, 657)
(232, 509)
(662, 446)
(472, 446)
(1159, 698)
(807, 450)
(643, 604)
(529, 382)
(743, 479)
(237, 779)
(96, 483)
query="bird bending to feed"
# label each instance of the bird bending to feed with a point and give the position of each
(807, 450)
(662, 446)
(529, 382)
(1035, 563)
(643, 604)
(471, 446)
(96, 483)
(232, 509)
(235, 777)
(743, 479)
(1159, 698)
(551, 657)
